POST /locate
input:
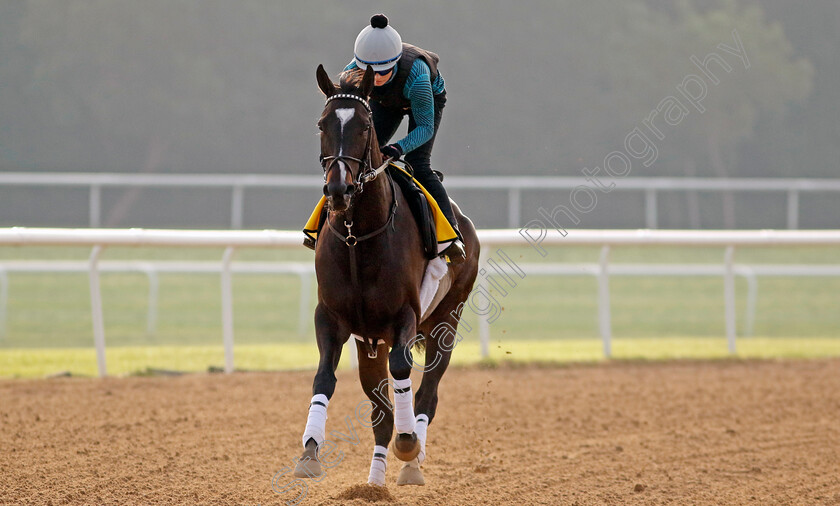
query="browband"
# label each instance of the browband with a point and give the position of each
(349, 95)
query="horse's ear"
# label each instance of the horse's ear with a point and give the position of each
(367, 82)
(324, 82)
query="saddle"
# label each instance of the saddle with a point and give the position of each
(432, 225)
(419, 206)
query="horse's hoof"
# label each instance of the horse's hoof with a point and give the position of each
(375, 483)
(406, 447)
(308, 465)
(410, 474)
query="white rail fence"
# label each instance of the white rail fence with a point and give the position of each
(513, 185)
(306, 271)
(99, 239)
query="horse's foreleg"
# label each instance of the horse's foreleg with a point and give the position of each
(329, 347)
(373, 374)
(406, 445)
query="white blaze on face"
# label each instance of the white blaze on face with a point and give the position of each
(343, 170)
(344, 115)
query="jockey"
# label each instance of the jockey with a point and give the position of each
(407, 82)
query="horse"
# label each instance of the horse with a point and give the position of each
(369, 264)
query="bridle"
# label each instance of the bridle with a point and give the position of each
(366, 172)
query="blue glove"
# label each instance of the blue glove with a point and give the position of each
(391, 151)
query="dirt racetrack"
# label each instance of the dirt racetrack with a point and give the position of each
(727, 432)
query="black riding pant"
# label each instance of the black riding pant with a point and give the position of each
(387, 120)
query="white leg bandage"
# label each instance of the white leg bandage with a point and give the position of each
(420, 426)
(377, 466)
(316, 423)
(403, 406)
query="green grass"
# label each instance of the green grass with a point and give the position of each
(27, 363)
(551, 318)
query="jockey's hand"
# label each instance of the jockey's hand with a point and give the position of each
(392, 151)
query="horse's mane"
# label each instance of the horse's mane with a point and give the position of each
(349, 81)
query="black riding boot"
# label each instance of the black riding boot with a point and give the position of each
(456, 252)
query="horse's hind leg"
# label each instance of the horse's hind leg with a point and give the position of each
(329, 347)
(373, 374)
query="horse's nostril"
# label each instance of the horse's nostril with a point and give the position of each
(326, 191)
(350, 189)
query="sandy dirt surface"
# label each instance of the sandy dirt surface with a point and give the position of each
(727, 432)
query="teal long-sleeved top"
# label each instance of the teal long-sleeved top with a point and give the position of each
(420, 91)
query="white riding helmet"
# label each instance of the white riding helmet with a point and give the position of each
(377, 45)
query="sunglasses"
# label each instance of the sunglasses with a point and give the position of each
(383, 72)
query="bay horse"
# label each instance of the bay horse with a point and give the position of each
(369, 264)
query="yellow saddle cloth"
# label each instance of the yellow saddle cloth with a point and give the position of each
(445, 232)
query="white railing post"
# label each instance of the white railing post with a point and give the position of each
(752, 296)
(96, 310)
(305, 295)
(227, 308)
(514, 207)
(483, 324)
(95, 206)
(237, 207)
(604, 321)
(793, 209)
(651, 209)
(729, 297)
(151, 314)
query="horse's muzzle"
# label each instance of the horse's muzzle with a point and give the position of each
(339, 194)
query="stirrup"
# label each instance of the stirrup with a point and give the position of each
(455, 252)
